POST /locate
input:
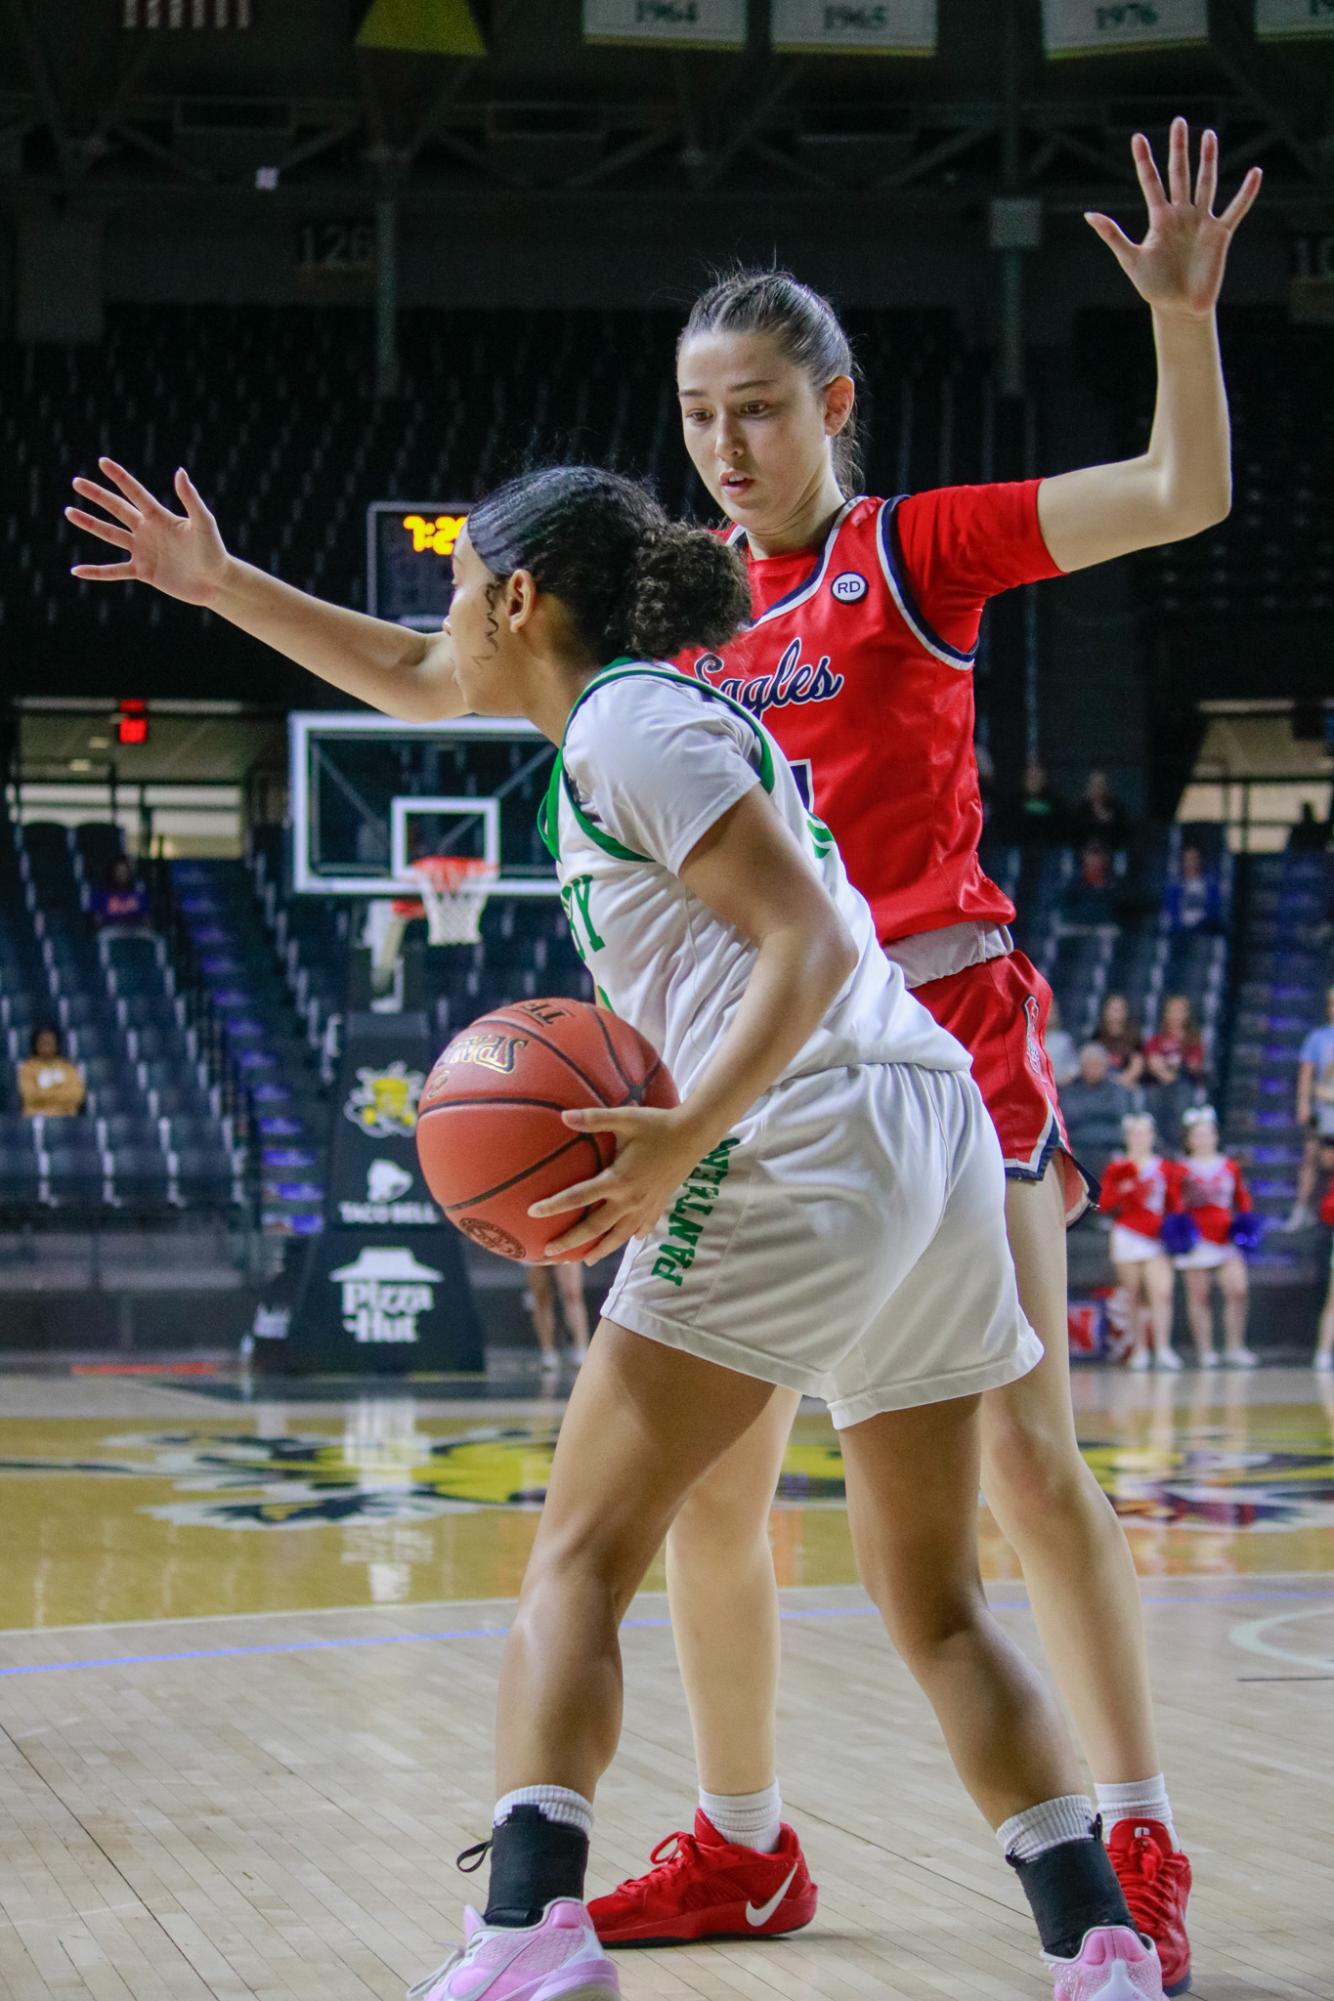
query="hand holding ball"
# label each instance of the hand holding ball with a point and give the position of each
(489, 1131)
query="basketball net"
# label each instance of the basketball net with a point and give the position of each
(452, 892)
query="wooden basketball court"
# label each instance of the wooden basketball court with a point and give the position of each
(248, 1659)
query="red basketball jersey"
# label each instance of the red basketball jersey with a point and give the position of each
(859, 660)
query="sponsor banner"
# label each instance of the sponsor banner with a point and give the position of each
(374, 1177)
(1293, 20)
(376, 1303)
(671, 24)
(854, 27)
(1105, 27)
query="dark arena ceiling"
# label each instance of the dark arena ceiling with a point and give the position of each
(96, 104)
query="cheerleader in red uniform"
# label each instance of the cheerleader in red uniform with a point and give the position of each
(1139, 1191)
(1215, 1198)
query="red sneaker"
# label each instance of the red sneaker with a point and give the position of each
(704, 1887)
(1156, 1880)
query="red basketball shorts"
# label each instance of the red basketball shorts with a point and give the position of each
(999, 1011)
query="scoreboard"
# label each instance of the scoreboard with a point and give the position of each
(410, 560)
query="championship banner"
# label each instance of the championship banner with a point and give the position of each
(384, 1290)
(854, 27)
(670, 24)
(1294, 20)
(1108, 27)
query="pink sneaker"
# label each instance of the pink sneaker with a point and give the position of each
(558, 1960)
(1114, 1964)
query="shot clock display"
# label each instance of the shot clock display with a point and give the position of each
(410, 559)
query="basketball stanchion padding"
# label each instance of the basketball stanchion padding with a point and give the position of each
(489, 1131)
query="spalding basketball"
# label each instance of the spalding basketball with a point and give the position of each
(489, 1130)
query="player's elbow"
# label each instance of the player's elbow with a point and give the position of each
(841, 955)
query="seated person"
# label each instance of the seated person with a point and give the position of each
(121, 907)
(1061, 1051)
(1194, 900)
(1175, 1050)
(1092, 896)
(51, 1086)
(1038, 815)
(1118, 1032)
(1094, 1105)
(1099, 815)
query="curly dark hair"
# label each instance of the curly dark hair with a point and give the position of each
(806, 329)
(633, 581)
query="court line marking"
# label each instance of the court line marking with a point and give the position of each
(1249, 1636)
(786, 1591)
(492, 1631)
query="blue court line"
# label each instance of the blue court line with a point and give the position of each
(627, 1625)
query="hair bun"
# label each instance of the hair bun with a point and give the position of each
(684, 585)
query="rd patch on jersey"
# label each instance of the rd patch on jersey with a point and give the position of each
(848, 586)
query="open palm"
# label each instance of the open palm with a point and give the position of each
(1178, 268)
(181, 555)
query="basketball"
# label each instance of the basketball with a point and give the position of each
(489, 1131)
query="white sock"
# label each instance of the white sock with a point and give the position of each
(1031, 1833)
(567, 1809)
(1146, 1799)
(748, 1820)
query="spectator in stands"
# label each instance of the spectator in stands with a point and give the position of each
(1091, 898)
(1061, 1051)
(1194, 899)
(1099, 815)
(1175, 1049)
(1040, 816)
(51, 1086)
(120, 906)
(1308, 836)
(1315, 1111)
(1094, 1106)
(1138, 1191)
(1118, 1032)
(1214, 1195)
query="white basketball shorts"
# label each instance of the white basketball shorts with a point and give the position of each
(848, 1241)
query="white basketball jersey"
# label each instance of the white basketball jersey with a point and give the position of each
(650, 761)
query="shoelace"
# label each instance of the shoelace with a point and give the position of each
(459, 1953)
(671, 1855)
(1149, 1897)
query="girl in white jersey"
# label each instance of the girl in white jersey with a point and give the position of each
(819, 1103)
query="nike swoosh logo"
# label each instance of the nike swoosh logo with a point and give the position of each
(766, 1911)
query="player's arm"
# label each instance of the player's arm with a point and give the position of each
(1182, 482)
(405, 674)
(750, 871)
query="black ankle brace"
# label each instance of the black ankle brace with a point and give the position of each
(1072, 1889)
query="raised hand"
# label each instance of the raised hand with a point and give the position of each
(1178, 268)
(181, 555)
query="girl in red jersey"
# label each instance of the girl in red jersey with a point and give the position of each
(858, 659)
(1138, 1191)
(1213, 1195)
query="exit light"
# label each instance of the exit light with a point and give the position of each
(132, 722)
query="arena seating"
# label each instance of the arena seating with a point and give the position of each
(162, 1134)
(272, 410)
(1273, 558)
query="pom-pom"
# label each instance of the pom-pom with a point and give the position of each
(1248, 1231)
(1180, 1235)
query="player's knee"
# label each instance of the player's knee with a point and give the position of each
(720, 1517)
(927, 1626)
(1032, 1474)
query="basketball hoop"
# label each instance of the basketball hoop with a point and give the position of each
(454, 890)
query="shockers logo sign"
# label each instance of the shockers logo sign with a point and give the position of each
(384, 1293)
(383, 1103)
